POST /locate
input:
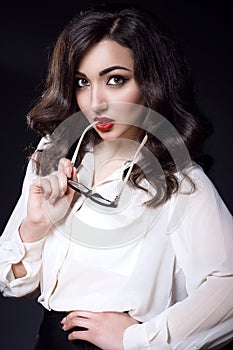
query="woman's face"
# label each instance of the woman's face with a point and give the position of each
(107, 92)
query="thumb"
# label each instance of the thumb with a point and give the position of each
(70, 189)
(74, 174)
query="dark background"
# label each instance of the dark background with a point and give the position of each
(27, 31)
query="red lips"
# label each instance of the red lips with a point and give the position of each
(105, 123)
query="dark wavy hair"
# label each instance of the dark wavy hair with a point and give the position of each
(161, 71)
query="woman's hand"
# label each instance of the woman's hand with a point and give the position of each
(104, 329)
(48, 202)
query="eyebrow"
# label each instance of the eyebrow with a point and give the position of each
(104, 71)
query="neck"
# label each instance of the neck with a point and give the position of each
(111, 155)
(118, 148)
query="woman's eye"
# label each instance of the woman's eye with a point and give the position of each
(116, 80)
(81, 82)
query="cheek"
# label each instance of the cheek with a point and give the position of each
(130, 112)
(83, 106)
(131, 95)
(137, 97)
(81, 100)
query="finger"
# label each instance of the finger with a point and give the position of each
(76, 322)
(55, 190)
(35, 187)
(82, 335)
(62, 179)
(45, 187)
(66, 166)
(79, 313)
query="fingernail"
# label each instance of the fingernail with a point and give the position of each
(68, 171)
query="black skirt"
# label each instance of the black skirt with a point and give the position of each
(52, 337)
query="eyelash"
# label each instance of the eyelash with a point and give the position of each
(77, 82)
(118, 77)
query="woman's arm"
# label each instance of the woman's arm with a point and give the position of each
(19, 262)
(19, 269)
(43, 202)
(203, 244)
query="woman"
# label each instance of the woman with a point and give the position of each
(124, 237)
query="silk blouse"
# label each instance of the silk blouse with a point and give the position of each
(171, 267)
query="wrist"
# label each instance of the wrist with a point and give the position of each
(31, 232)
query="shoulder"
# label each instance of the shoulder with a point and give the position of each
(205, 198)
(196, 182)
(198, 202)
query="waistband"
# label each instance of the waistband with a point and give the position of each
(53, 313)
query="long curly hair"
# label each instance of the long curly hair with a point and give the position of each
(161, 70)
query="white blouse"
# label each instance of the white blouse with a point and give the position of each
(171, 267)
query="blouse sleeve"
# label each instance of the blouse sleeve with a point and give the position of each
(13, 250)
(203, 245)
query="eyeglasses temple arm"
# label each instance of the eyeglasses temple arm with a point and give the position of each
(131, 166)
(80, 141)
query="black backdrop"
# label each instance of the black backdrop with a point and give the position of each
(204, 30)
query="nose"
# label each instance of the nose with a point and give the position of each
(98, 101)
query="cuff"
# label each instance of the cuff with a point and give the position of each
(33, 250)
(14, 251)
(152, 334)
(135, 338)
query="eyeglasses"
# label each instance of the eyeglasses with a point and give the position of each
(96, 197)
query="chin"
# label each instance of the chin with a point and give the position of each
(108, 135)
